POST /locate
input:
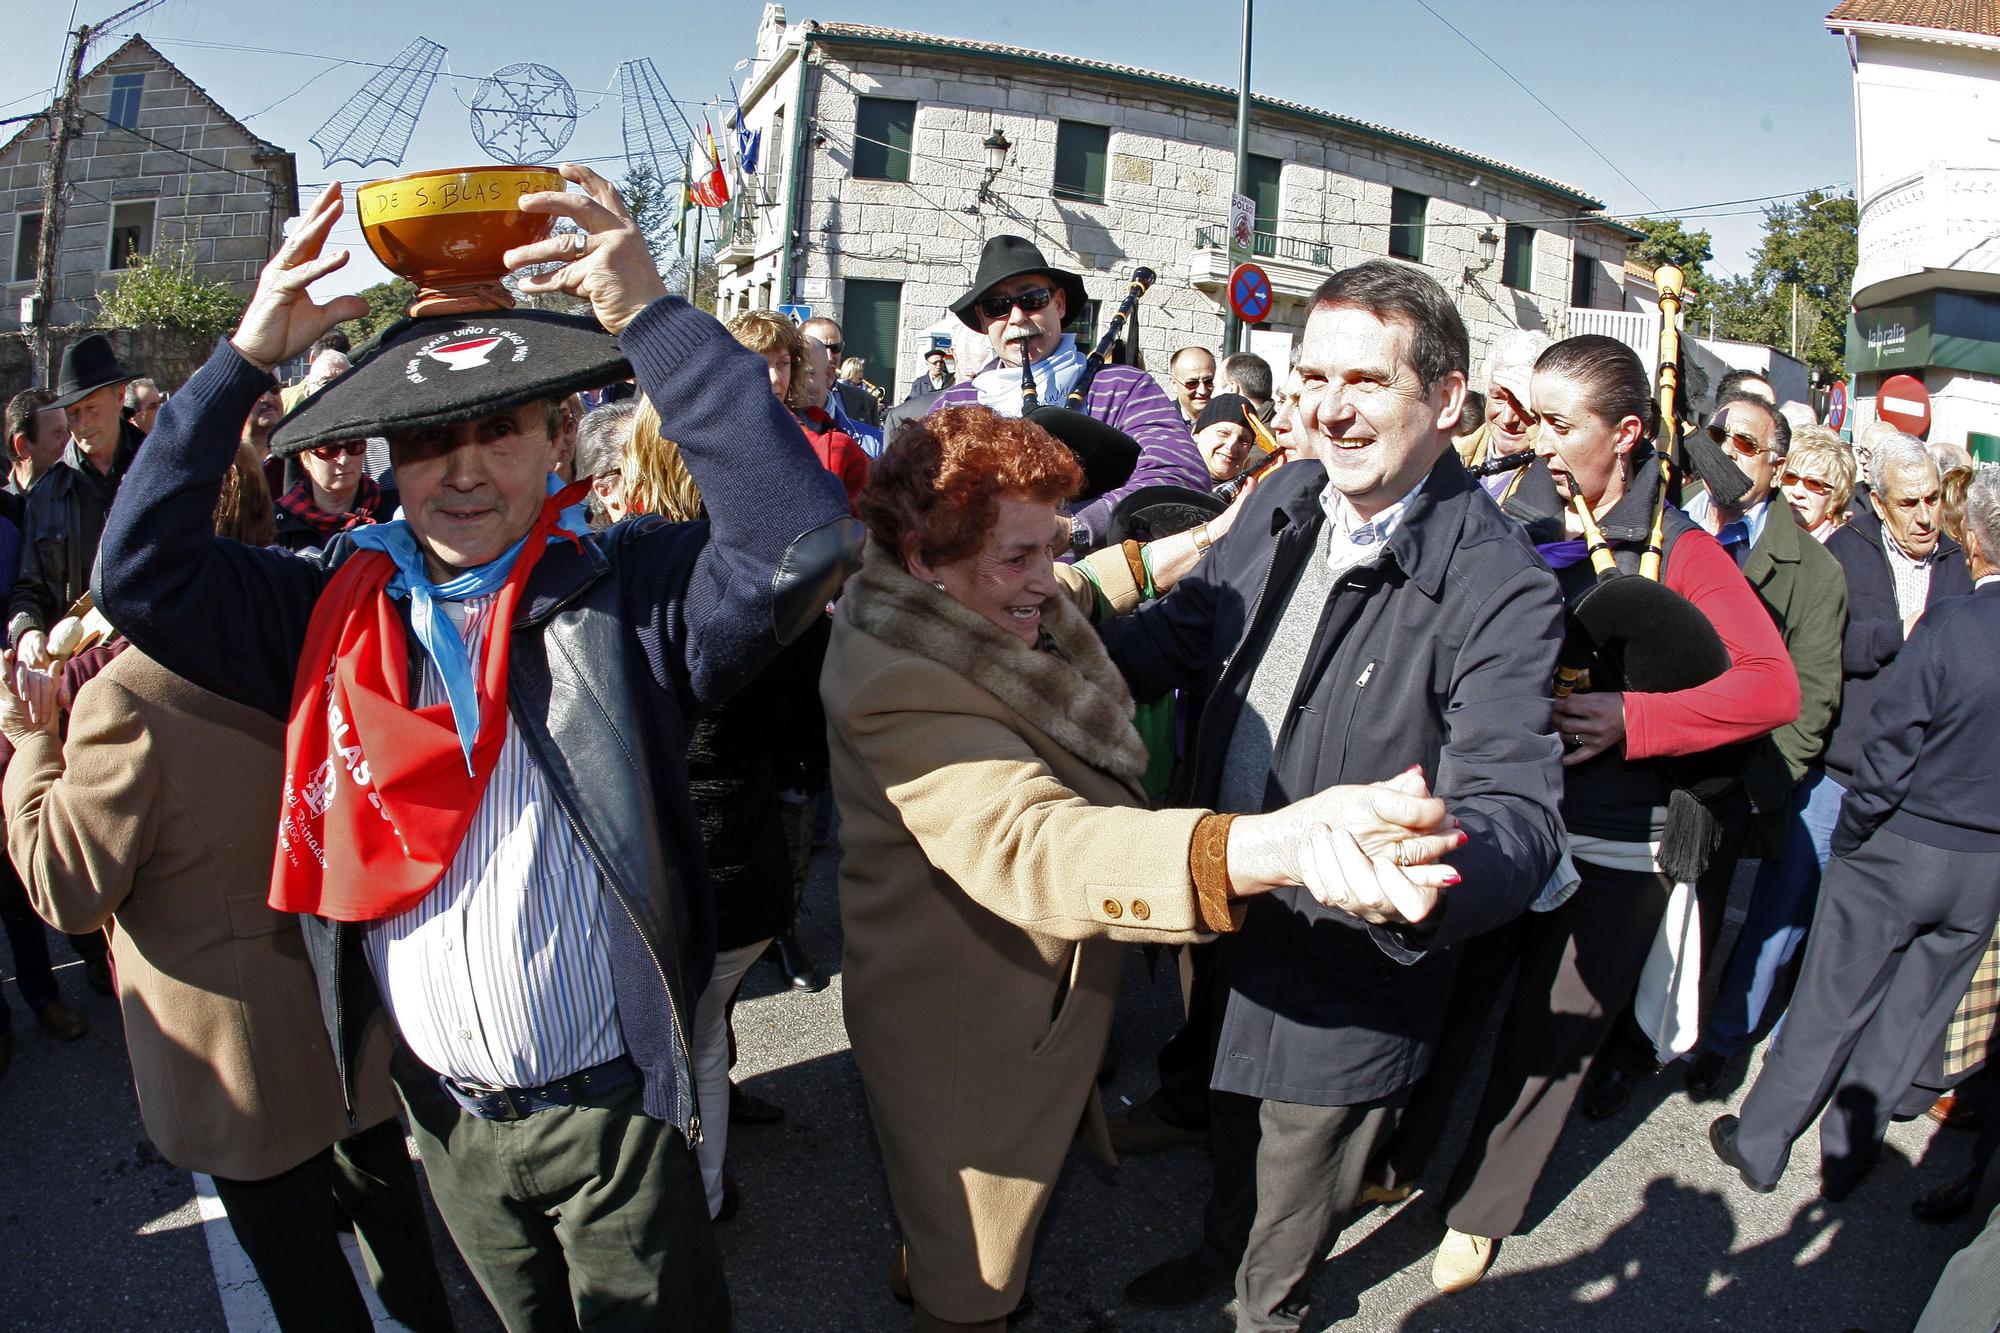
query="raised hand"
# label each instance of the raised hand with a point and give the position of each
(607, 263)
(282, 319)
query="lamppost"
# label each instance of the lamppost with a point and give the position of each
(1489, 249)
(996, 147)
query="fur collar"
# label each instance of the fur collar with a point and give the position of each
(1078, 699)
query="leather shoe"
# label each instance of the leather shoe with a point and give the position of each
(1141, 1130)
(794, 962)
(1704, 1075)
(1462, 1259)
(1178, 1283)
(1722, 1138)
(1382, 1196)
(1948, 1202)
(1953, 1113)
(61, 1022)
(1607, 1090)
(747, 1108)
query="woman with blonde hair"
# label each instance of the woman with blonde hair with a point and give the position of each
(1818, 480)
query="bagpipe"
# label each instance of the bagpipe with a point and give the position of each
(1106, 454)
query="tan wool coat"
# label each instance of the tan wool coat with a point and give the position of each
(996, 852)
(160, 815)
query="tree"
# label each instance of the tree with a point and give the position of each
(1668, 241)
(387, 302)
(655, 206)
(160, 290)
(1807, 259)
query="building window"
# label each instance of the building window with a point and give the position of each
(1085, 325)
(774, 158)
(871, 323)
(1262, 175)
(883, 129)
(1081, 151)
(127, 90)
(27, 240)
(1407, 209)
(1582, 282)
(131, 233)
(1518, 271)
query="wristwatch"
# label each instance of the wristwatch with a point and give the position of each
(1079, 536)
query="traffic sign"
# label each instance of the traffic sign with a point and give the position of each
(798, 314)
(1904, 403)
(1250, 293)
(1836, 405)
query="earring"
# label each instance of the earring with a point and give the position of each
(938, 584)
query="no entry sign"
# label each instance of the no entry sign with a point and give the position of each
(1250, 293)
(1904, 403)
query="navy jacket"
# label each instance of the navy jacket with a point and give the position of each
(1441, 655)
(1874, 634)
(1930, 760)
(618, 642)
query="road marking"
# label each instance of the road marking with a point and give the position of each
(245, 1307)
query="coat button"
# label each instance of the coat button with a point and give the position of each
(1112, 909)
(1139, 909)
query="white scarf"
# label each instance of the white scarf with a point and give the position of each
(1055, 375)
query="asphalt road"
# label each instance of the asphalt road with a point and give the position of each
(1637, 1224)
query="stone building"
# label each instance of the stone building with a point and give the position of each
(158, 163)
(873, 197)
(1927, 166)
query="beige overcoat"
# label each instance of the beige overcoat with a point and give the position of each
(995, 853)
(160, 815)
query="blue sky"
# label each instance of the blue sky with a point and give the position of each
(1696, 102)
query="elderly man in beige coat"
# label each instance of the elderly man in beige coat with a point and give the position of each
(159, 817)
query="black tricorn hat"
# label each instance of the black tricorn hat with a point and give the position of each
(1106, 454)
(88, 365)
(1010, 256)
(452, 368)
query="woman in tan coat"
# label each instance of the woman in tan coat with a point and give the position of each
(997, 849)
(159, 817)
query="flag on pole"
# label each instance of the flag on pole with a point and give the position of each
(747, 139)
(713, 191)
(687, 201)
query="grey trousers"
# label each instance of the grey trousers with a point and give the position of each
(1967, 1296)
(1286, 1178)
(1899, 930)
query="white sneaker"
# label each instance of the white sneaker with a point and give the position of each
(1461, 1261)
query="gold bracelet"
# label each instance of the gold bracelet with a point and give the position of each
(1202, 540)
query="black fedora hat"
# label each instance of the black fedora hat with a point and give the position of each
(1010, 256)
(452, 368)
(88, 365)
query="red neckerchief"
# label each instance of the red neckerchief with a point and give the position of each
(299, 503)
(377, 798)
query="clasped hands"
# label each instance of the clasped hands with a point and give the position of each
(1373, 851)
(30, 699)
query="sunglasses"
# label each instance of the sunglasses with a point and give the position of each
(326, 453)
(1199, 382)
(996, 307)
(1813, 484)
(1743, 446)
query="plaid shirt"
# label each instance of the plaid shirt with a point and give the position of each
(1913, 577)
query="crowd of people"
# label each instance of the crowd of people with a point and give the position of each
(539, 681)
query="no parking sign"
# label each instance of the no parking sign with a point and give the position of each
(1250, 293)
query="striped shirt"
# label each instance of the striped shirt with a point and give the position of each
(500, 976)
(1133, 401)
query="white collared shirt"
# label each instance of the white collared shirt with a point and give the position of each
(1701, 509)
(1352, 541)
(1911, 577)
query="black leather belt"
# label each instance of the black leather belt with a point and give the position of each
(491, 1103)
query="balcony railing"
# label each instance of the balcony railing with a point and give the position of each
(1268, 245)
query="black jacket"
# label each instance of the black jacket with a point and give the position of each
(1441, 655)
(1874, 635)
(1930, 756)
(619, 640)
(62, 518)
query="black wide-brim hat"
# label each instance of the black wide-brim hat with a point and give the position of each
(440, 371)
(88, 365)
(1007, 257)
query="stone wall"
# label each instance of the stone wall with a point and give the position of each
(167, 356)
(1169, 173)
(232, 222)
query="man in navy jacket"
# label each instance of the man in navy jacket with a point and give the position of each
(1909, 899)
(1369, 611)
(541, 989)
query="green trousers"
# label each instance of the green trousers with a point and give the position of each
(577, 1219)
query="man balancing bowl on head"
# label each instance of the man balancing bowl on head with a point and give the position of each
(485, 816)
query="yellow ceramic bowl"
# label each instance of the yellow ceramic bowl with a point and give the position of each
(446, 231)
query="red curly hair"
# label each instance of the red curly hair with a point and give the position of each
(945, 474)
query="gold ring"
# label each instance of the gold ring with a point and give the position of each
(1403, 854)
